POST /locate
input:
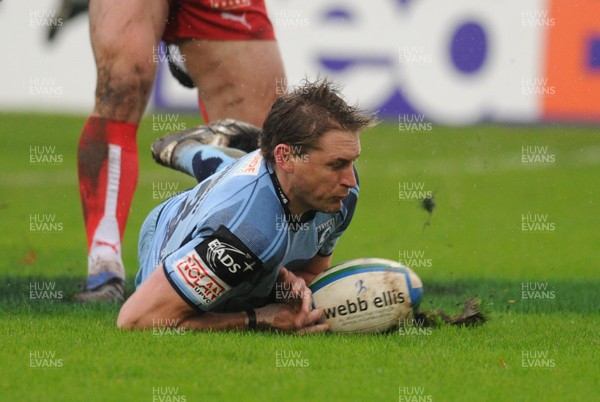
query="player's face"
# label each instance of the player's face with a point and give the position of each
(323, 177)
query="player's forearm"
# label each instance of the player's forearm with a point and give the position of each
(273, 316)
(156, 304)
(314, 267)
(216, 321)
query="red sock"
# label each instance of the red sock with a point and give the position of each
(108, 170)
(203, 110)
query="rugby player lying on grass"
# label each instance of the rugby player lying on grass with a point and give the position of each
(211, 257)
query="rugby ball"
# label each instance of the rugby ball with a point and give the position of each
(366, 295)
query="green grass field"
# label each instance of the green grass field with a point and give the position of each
(522, 237)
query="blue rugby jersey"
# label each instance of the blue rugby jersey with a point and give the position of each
(222, 242)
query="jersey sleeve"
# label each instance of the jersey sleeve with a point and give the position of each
(207, 271)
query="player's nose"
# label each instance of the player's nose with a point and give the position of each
(348, 179)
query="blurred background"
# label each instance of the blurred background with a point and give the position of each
(453, 63)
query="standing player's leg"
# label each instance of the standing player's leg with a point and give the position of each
(124, 37)
(237, 79)
(230, 85)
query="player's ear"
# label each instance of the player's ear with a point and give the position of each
(283, 157)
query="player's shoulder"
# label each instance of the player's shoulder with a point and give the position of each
(237, 182)
(251, 165)
(246, 203)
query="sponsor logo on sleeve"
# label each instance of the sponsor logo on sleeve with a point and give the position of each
(205, 284)
(229, 258)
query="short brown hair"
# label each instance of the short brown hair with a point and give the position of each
(301, 117)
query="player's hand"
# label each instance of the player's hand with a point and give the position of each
(293, 288)
(307, 276)
(294, 317)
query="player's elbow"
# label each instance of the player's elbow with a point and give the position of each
(126, 318)
(125, 322)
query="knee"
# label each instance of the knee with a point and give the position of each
(123, 91)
